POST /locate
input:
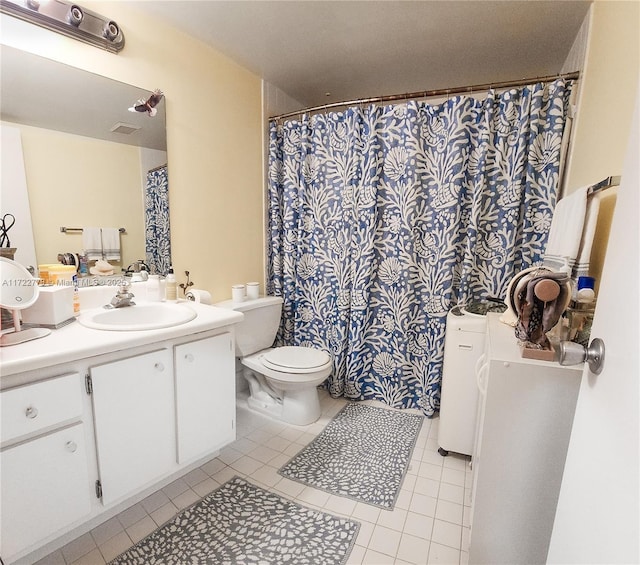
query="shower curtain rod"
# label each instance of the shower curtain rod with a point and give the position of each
(157, 168)
(431, 93)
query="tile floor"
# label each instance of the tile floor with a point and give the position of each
(430, 522)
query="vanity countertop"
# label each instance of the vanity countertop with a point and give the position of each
(75, 341)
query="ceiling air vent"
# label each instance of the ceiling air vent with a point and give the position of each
(127, 129)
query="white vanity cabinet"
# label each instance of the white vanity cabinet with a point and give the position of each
(43, 462)
(205, 396)
(95, 421)
(133, 411)
(526, 410)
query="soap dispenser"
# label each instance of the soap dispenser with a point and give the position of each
(171, 289)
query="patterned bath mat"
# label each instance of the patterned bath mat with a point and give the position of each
(241, 523)
(363, 454)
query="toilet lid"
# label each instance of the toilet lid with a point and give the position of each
(295, 359)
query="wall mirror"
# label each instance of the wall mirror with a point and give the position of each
(87, 161)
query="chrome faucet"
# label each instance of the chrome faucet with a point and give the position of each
(122, 298)
(138, 271)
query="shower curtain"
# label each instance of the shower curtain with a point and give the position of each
(157, 232)
(382, 218)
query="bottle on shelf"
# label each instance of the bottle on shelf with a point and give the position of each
(581, 310)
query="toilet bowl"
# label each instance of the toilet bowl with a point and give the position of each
(282, 380)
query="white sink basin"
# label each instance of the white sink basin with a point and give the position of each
(139, 317)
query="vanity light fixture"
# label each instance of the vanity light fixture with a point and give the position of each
(68, 19)
(75, 15)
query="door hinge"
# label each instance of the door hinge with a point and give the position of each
(98, 489)
(233, 423)
(88, 384)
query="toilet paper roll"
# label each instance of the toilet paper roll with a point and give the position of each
(197, 295)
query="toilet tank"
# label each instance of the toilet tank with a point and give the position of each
(261, 321)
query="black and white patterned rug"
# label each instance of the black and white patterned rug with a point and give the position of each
(362, 454)
(241, 523)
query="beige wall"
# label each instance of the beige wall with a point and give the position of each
(605, 108)
(607, 93)
(214, 126)
(71, 182)
(214, 137)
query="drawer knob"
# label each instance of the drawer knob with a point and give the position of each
(159, 366)
(31, 412)
(71, 446)
(189, 357)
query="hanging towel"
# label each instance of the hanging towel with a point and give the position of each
(566, 232)
(111, 244)
(92, 243)
(581, 267)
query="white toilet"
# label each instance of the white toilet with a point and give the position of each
(282, 380)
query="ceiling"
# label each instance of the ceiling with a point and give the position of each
(95, 113)
(322, 51)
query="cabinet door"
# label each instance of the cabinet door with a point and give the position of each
(481, 384)
(45, 487)
(527, 416)
(205, 396)
(133, 406)
(459, 395)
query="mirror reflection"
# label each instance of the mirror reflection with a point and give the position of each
(75, 157)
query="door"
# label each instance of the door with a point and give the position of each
(14, 195)
(598, 508)
(205, 396)
(133, 410)
(45, 487)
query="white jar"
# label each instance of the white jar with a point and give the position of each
(253, 290)
(154, 291)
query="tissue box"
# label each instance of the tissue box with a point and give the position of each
(53, 308)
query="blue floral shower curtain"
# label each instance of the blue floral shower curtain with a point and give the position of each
(157, 228)
(382, 218)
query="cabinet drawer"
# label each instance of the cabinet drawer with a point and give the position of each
(38, 407)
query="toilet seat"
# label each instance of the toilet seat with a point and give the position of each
(295, 359)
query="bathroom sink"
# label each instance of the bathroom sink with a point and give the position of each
(139, 317)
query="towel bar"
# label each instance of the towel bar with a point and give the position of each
(65, 230)
(606, 183)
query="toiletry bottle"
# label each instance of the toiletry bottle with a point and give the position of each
(76, 296)
(580, 313)
(83, 267)
(171, 289)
